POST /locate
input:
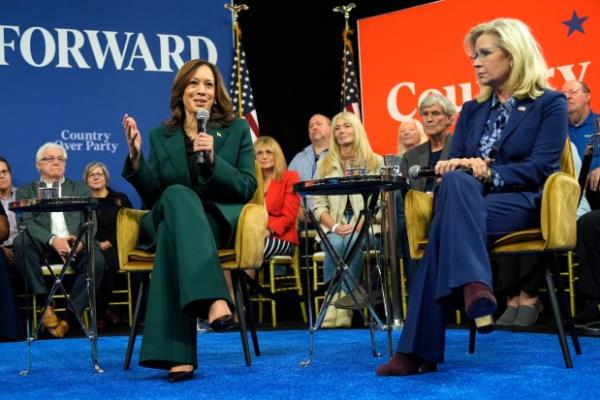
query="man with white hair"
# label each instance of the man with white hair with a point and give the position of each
(50, 235)
(437, 114)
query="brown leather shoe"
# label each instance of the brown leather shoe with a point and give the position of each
(480, 305)
(61, 329)
(50, 320)
(405, 364)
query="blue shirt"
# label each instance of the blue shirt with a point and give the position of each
(305, 163)
(580, 136)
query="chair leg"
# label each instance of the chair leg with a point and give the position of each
(272, 284)
(134, 326)
(241, 312)
(296, 269)
(129, 300)
(557, 317)
(571, 279)
(472, 336)
(250, 314)
(563, 304)
(261, 299)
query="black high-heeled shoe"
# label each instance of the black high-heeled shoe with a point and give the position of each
(223, 324)
(180, 376)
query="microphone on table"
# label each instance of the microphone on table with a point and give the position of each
(202, 118)
(416, 171)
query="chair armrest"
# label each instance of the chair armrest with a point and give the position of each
(559, 211)
(250, 236)
(128, 232)
(418, 211)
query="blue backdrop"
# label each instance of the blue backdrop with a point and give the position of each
(69, 70)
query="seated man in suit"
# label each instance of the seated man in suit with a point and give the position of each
(437, 114)
(51, 235)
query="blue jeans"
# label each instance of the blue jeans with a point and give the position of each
(339, 243)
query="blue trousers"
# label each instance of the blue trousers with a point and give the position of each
(339, 243)
(466, 217)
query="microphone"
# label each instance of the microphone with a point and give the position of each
(416, 171)
(202, 118)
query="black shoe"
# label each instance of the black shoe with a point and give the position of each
(180, 376)
(223, 324)
(590, 313)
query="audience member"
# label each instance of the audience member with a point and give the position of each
(7, 196)
(338, 215)
(10, 328)
(282, 203)
(511, 138)
(582, 127)
(437, 113)
(97, 178)
(51, 236)
(194, 206)
(410, 135)
(588, 255)
(305, 162)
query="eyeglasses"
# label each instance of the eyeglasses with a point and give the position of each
(571, 92)
(95, 174)
(483, 53)
(52, 159)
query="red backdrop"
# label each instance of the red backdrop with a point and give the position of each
(406, 54)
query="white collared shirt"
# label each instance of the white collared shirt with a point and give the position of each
(58, 224)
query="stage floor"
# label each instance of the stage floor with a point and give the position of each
(506, 364)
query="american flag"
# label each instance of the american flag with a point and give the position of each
(350, 98)
(241, 91)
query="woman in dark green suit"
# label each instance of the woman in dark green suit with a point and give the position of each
(194, 211)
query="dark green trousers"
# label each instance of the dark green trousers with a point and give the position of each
(187, 276)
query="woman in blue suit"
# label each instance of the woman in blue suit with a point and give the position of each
(511, 138)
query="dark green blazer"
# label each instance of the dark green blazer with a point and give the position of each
(229, 185)
(38, 223)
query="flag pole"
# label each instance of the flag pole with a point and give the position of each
(235, 10)
(350, 96)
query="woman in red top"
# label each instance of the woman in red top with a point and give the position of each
(281, 201)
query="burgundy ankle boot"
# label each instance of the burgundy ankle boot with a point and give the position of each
(405, 364)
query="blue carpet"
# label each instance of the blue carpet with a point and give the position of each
(505, 365)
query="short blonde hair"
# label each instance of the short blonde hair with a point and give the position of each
(362, 148)
(422, 136)
(529, 73)
(268, 143)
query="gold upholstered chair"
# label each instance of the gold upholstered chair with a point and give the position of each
(556, 235)
(247, 253)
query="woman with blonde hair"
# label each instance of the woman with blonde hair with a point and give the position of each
(281, 201)
(338, 215)
(511, 139)
(410, 135)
